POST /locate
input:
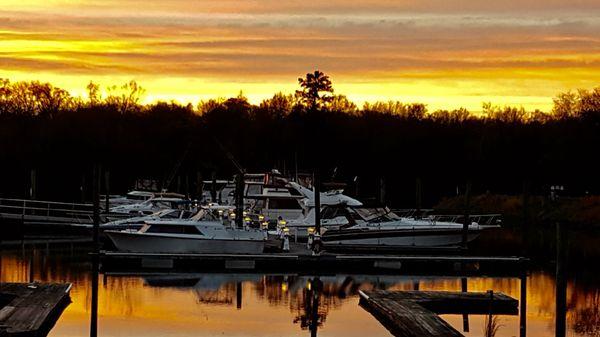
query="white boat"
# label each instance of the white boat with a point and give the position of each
(189, 236)
(150, 206)
(138, 221)
(135, 197)
(342, 225)
(401, 234)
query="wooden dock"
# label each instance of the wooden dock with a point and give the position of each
(299, 260)
(31, 309)
(415, 313)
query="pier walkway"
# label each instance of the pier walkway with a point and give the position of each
(31, 309)
(415, 313)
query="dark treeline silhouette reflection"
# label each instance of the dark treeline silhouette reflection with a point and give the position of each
(44, 128)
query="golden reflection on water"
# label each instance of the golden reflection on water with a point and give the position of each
(272, 305)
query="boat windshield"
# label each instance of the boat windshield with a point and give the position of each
(173, 229)
(284, 203)
(374, 214)
(137, 197)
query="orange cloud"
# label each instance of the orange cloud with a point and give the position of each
(426, 51)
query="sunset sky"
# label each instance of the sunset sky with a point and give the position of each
(443, 53)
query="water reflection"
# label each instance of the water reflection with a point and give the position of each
(256, 305)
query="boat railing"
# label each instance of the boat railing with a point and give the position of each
(487, 219)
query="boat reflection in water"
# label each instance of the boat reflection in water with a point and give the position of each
(256, 305)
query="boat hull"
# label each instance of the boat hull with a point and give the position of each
(144, 243)
(399, 237)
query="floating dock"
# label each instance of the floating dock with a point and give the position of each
(415, 313)
(31, 309)
(302, 260)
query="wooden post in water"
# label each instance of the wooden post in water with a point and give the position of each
(523, 308)
(213, 187)
(82, 188)
(239, 200)
(33, 185)
(463, 286)
(96, 205)
(382, 191)
(418, 197)
(467, 220)
(96, 174)
(199, 185)
(561, 283)
(238, 295)
(107, 191)
(317, 189)
(94, 304)
(187, 186)
(490, 314)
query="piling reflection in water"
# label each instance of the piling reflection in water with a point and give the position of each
(256, 305)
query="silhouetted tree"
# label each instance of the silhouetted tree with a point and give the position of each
(315, 88)
(125, 98)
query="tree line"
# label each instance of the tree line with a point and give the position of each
(387, 143)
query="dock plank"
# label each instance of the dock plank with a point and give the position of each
(415, 313)
(33, 308)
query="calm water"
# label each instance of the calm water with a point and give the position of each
(273, 305)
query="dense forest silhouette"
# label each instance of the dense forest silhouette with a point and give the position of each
(61, 137)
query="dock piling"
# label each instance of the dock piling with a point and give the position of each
(96, 205)
(467, 220)
(523, 307)
(418, 193)
(561, 283)
(33, 186)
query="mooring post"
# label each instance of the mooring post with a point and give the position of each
(213, 187)
(382, 191)
(418, 197)
(463, 286)
(238, 295)
(561, 283)
(199, 186)
(94, 304)
(82, 188)
(316, 244)
(107, 191)
(31, 265)
(317, 189)
(33, 182)
(490, 313)
(467, 220)
(239, 200)
(523, 308)
(96, 205)
(187, 186)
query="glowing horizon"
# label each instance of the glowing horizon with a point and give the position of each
(446, 56)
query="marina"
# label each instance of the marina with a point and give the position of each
(210, 302)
